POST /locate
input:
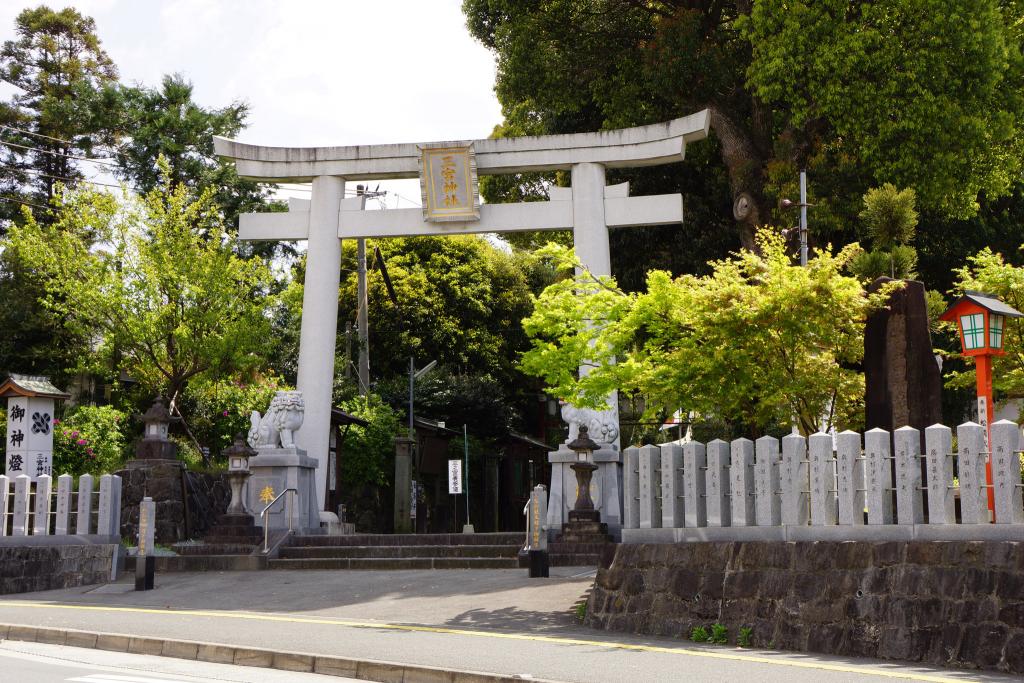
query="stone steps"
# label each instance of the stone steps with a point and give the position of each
(215, 548)
(574, 559)
(512, 539)
(401, 551)
(392, 551)
(578, 539)
(396, 563)
(581, 543)
(589, 547)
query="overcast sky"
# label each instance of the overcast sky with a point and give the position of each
(314, 72)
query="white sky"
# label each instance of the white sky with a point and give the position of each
(314, 72)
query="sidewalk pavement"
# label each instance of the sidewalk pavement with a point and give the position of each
(496, 621)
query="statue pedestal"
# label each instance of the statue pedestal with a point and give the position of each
(273, 471)
(605, 488)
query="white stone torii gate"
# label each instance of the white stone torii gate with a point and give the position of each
(589, 208)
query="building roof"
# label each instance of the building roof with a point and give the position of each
(529, 441)
(987, 301)
(340, 417)
(435, 426)
(31, 387)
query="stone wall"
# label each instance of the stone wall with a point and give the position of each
(957, 604)
(187, 503)
(47, 567)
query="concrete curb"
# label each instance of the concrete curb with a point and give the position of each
(362, 669)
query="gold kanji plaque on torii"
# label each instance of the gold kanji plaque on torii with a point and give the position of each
(448, 183)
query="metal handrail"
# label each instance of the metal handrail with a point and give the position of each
(263, 518)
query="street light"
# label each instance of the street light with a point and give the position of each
(981, 321)
(584, 447)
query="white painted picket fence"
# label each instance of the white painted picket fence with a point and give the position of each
(34, 508)
(816, 489)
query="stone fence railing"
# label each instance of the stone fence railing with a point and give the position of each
(814, 489)
(33, 508)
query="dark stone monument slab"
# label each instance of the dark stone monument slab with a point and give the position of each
(903, 384)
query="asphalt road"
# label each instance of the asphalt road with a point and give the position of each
(38, 663)
(496, 621)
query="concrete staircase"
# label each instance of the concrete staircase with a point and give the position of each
(401, 551)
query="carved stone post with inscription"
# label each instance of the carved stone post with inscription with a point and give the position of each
(741, 478)
(717, 484)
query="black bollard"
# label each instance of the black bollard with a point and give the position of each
(538, 564)
(145, 568)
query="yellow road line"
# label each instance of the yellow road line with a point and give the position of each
(251, 616)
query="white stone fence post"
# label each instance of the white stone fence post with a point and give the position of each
(34, 508)
(875, 486)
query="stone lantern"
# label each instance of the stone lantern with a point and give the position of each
(238, 473)
(584, 468)
(155, 444)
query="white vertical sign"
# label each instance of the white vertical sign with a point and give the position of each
(983, 411)
(454, 476)
(29, 436)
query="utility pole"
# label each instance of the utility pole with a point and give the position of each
(363, 304)
(788, 204)
(362, 317)
(803, 218)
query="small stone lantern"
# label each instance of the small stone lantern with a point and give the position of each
(584, 468)
(155, 445)
(238, 473)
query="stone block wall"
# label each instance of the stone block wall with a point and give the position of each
(187, 503)
(49, 567)
(958, 604)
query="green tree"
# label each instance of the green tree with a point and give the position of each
(369, 451)
(757, 343)
(63, 106)
(167, 122)
(925, 95)
(166, 297)
(891, 223)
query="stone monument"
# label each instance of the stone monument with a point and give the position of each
(280, 465)
(903, 383)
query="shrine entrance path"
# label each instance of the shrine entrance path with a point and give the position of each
(498, 621)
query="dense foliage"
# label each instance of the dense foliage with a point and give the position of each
(759, 342)
(925, 95)
(167, 297)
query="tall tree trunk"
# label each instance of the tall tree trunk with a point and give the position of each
(745, 165)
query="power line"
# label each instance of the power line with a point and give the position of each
(22, 201)
(104, 161)
(48, 137)
(57, 177)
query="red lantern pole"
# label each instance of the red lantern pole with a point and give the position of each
(983, 379)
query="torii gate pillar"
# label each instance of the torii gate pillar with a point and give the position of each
(320, 323)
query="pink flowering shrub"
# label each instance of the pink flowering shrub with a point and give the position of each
(89, 440)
